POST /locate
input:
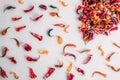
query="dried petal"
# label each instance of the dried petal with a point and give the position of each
(70, 54)
(28, 58)
(60, 39)
(60, 65)
(70, 76)
(18, 29)
(100, 73)
(81, 71)
(12, 59)
(54, 14)
(3, 73)
(63, 3)
(43, 51)
(70, 67)
(101, 50)
(88, 59)
(86, 50)
(42, 6)
(15, 75)
(114, 28)
(17, 42)
(5, 50)
(16, 18)
(27, 47)
(60, 25)
(37, 18)
(29, 10)
(68, 45)
(49, 32)
(49, 72)
(109, 57)
(115, 44)
(66, 28)
(39, 37)
(4, 32)
(21, 1)
(113, 68)
(9, 8)
(54, 7)
(32, 74)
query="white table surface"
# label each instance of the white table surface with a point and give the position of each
(98, 62)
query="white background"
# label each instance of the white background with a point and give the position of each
(98, 62)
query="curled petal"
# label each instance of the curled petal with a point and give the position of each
(15, 75)
(49, 32)
(70, 54)
(68, 45)
(4, 32)
(17, 42)
(100, 73)
(39, 37)
(29, 10)
(28, 58)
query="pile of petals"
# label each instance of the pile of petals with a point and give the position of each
(98, 17)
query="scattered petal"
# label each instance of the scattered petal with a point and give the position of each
(88, 59)
(29, 10)
(70, 54)
(115, 44)
(4, 32)
(63, 3)
(70, 67)
(100, 73)
(29, 58)
(101, 50)
(5, 50)
(55, 14)
(15, 75)
(37, 18)
(18, 29)
(17, 42)
(60, 25)
(81, 71)
(113, 68)
(32, 74)
(49, 32)
(21, 1)
(109, 57)
(43, 51)
(86, 50)
(39, 37)
(12, 59)
(27, 47)
(9, 8)
(42, 6)
(71, 76)
(66, 28)
(54, 7)
(60, 65)
(16, 18)
(3, 73)
(68, 45)
(49, 73)
(60, 39)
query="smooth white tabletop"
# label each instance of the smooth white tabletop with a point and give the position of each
(68, 16)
